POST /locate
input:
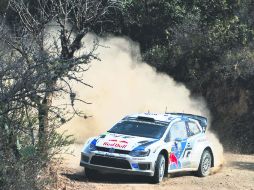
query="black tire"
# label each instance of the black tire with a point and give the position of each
(91, 174)
(159, 169)
(205, 164)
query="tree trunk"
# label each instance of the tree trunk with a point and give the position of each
(43, 117)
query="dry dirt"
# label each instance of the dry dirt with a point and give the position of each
(236, 173)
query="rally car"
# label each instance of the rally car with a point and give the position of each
(151, 145)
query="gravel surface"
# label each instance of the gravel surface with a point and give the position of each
(236, 173)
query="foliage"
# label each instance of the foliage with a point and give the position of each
(37, 64)
(208, 45)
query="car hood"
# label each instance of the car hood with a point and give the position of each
(122, 142)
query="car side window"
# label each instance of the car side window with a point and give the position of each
(193, 128)
(178, 130)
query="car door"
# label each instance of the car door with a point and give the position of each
(193, 132)
(178, 141)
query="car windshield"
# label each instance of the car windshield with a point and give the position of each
(142, 129)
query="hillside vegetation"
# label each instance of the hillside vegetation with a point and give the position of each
(206, 44)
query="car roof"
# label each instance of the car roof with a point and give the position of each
(166, 117)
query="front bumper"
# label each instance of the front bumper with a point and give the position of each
(134, 163)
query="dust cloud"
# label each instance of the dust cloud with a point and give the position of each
(122, 85)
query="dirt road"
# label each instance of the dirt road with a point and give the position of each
(237, 173)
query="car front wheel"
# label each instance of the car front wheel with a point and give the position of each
(159, 169)
(205, 164)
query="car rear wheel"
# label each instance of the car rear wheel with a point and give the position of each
(205, 164)
(159, 169)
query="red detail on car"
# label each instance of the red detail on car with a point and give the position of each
(114, 144)
(114, 140)
(173, 159)
(123, 142)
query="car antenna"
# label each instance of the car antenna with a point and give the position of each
(183, 113)
(166, 109)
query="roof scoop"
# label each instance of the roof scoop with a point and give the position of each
(149, 119)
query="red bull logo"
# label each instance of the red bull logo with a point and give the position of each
(116, 143)
(173, 159)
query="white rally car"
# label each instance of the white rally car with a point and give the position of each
(152, 145)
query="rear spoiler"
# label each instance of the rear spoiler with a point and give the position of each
(202, 120)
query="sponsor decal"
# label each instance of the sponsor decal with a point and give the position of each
(177, 151)
(202, 140)
(116, 143)
(138, 159)
(120, 141)
(174, 164)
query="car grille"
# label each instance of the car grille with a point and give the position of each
(103, 149)
(110, 162)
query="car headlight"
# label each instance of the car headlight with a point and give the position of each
(140, 153)
(92, 145)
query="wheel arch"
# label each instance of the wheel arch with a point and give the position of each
(211, 152)
(164, 152)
